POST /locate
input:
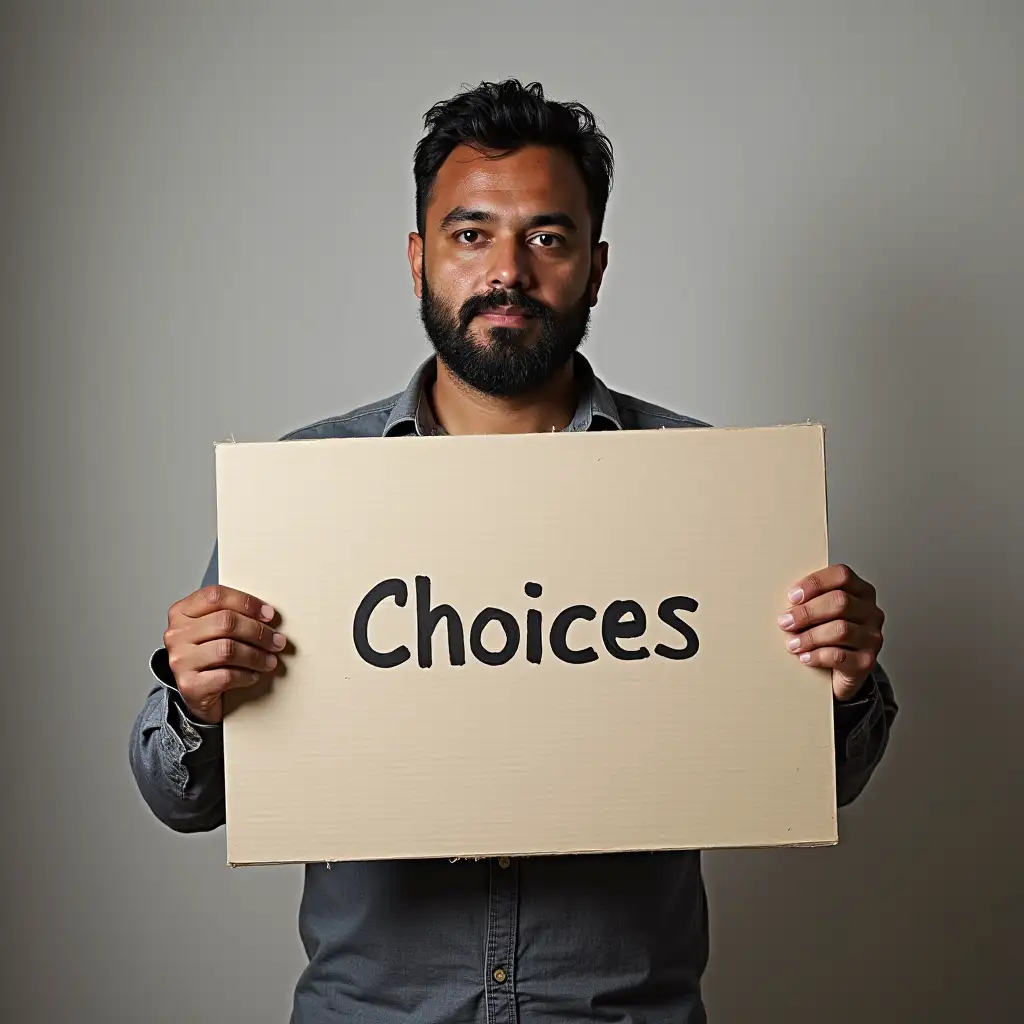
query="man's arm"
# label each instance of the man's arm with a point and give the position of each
(862, 733)
(177, 760)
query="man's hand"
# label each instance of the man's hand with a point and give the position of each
(218, 639)
(837, 624)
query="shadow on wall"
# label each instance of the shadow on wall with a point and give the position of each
(915, 916)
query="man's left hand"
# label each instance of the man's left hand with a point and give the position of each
(835, 623)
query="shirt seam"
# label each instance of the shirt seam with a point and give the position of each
(670, 417)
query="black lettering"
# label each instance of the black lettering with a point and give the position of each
(534, 641)
(668, 613)
(476, 632)
(615, 626)
(622, 620)
(427, 619)
(559, 632)
(361, 623)
(534, 625)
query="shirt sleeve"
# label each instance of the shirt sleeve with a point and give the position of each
(862, 728)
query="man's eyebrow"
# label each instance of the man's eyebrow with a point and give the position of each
(462, 215)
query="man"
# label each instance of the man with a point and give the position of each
(507, 261)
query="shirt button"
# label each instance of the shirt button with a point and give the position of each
(504, 862)
(500, 976)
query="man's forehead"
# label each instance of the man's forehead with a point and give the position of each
(531, 175)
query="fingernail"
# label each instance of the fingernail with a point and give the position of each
(793, 644)
(279, 640)
(267, 612)
(255, 677)
(271, 660)
(796, 595)
(787, 620)
(806, 657)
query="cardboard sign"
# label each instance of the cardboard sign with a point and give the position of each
(527, 644)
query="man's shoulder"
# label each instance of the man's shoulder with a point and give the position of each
(639, 414)
(363, 421)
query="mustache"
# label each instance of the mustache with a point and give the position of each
(477, 304)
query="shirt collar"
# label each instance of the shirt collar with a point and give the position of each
(595, 410)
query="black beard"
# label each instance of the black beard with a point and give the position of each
(509, 365)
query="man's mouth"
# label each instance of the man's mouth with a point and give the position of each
(506, 316)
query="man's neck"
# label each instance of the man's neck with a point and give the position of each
(461, 410)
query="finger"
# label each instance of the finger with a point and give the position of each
(849, 668)
(837, 633)
(200, 689)
(217, 598)
(231, 654)
(833, 577)
(836, 604)
(226, 623)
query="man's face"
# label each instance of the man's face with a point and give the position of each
(506, 272)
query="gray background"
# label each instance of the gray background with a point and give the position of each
(818, 213)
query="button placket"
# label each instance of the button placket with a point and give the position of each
(503, 916)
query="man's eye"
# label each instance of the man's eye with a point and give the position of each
(547, 241)
(468, 235)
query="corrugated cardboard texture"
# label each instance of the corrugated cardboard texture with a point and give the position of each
(337, 759)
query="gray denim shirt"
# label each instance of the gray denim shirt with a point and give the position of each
(620, 937)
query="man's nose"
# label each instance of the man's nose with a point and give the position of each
(509, 265)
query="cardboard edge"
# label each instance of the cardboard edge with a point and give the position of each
(226, 732)
(804, 844)
(822, 448)
(500, 438)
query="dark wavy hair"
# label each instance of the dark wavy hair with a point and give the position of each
(505, 116)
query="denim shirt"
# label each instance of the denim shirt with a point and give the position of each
(612, 937)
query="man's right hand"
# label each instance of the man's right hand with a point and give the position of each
(218, 639)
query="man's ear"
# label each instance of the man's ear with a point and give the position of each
(416, 263)
(598, 265)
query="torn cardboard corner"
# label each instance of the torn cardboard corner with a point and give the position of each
(527, 644)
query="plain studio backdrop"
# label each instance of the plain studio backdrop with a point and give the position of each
(818, 214)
